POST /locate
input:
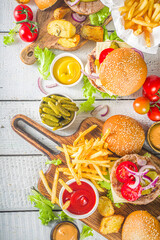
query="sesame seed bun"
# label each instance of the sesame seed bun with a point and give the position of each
(123, 71)
(141, 225)
(43, 4)
(127, 135)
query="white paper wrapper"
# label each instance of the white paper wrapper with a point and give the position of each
(127, 35)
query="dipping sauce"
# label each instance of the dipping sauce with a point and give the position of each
(82, 198)
(67, 70)
(154, 136)
(65, 231)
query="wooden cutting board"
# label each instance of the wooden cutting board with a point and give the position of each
(94, 220)
(46, 40)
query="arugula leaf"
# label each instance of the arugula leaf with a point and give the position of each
(45, 58)
(87, 105)
(44, 205)
(99, 17)
(86, 232)
(54, 161)
(63, 216)
(9, 39)
(147, 154)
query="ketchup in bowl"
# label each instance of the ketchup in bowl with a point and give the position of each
(83, 200)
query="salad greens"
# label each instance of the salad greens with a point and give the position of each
(54, 161)
(64, 217)
(45, 58)
(88, 92)
(10, 38)
(107, 186)
(99, 17)
(86, 232)
(147, 154)
(44, 205)
(111, 37)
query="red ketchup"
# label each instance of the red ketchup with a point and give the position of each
(82, 198)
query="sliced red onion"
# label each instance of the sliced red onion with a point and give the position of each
(141, 162)
(152, 184)
(52, 85)
(138, 51)
(93, 75)
(73, 3)
(146, 167)
(98, 109)
(78, 18)
(136, 183)
(41, 87)
(147, 178)
(137, 173)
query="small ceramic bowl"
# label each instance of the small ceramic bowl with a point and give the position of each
(66, 126)
(148, 137)
(76, 216)
(54, 229)
(61, 56)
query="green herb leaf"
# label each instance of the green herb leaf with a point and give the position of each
(9, 39)
(63, 216)
(147, 154)
(55, 162)
(44, 205)
(86, 232)
(45, 58)
(99, 17)
(87, 105)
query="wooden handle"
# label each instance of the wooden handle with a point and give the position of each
(27, 54)
(29, 138)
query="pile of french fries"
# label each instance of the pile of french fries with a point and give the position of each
(141, 16)
(85, 159)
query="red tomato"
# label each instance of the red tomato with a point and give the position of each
(152, 85)
(141, 105)
(129, 193)
(122, 174)
(152, 98)
(21, 12)
(154, 112)
(104, 53)
(28, 32)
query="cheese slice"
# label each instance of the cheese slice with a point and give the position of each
(116, 198)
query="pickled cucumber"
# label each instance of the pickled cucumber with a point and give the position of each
(70, 107)
(50, 117)
(114, 45)
(56, 97)
(50, 111)
(49, 123)
(47, 99)
(62, 110)
(53, 107)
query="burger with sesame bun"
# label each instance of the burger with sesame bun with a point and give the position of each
(115, 68)
(141, 225)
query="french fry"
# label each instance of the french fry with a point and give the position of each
(97, 186)
(131, 11)
(138, 31)
(140, 7)
(45, 183)
(100, 174)
(65, 185)
(150, 8)
(157, 18)
(98, 154)
(156, 11)
(83, 134)
(54, 186)
(57, 201)
(147, 38)
(102, 163)
(143, 23)
(66, 205)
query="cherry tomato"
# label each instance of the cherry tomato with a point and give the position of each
(152, 87)
(152, 98)
(129, 193)
(122, 174)
(28, 32)
(104, 53)
(21, 12)
(141, 105)
(154, 112)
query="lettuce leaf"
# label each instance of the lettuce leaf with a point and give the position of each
(54, 161)
(10, 38)
(113, 36)
(44, 205)
(45, 58)
(87, 105)
(64, 217)
(86, 232)
(99, 17)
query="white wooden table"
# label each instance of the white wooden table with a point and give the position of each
(19, 161)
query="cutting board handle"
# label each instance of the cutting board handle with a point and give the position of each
(27, 54)
(32, 140)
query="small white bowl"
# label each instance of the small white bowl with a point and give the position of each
(76, 216)
(66, 126)
(55, 60)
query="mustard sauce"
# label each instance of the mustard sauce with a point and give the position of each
(66, 231)
(67, 70)
(155, 136)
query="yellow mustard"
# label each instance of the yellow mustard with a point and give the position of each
(67, 70)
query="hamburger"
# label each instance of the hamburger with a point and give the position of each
(122, 72)
(44, 4)
(135, 179)
(141, 225)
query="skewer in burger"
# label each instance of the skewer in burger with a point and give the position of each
(115, 68)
